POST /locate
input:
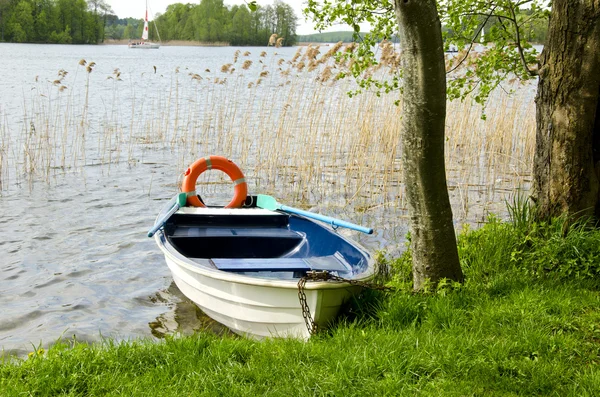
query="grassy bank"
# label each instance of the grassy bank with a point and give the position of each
(526, 322)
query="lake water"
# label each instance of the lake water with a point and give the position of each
(88, 159)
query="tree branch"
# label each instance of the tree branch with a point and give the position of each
(519, 47)
(473, 40)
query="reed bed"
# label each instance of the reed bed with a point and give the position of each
(288, 122)
(4, 148)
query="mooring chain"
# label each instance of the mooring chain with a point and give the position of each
(308, 320)
(324, 275)
(364, 284)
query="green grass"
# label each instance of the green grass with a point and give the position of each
(513, 328)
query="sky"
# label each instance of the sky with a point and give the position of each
(136, 9)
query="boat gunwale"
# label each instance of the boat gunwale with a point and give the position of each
(206, 270)
(196, 267)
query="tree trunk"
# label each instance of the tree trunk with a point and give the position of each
(433, 239)
(567, 158)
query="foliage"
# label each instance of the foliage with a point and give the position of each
(380, 16)
(212, 21)
(329, 37)
(127, 28)
(53, 21)
(501, 25)
(563, 251)
(556, 250)
(90, 22)
(401, 271)
(521, 212)
(522, 247)
(505, 331)
(476, 69)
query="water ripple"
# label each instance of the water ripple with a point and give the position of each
(75, 259)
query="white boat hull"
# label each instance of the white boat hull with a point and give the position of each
(145, 46)
(257, 308)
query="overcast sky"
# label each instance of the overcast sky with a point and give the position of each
(136, 9)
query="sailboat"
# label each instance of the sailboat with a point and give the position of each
(144, 43)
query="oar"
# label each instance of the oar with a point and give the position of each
(180, 202)
(269, 203)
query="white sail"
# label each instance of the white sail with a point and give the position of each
(145, 33)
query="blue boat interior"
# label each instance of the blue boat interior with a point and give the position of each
(249, 243)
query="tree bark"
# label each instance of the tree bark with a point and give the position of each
(567, 158)
(433, 239)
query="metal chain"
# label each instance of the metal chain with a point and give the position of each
(324, 275)
(364, 284)
(308, 320)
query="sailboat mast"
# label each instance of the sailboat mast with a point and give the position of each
(145, 32)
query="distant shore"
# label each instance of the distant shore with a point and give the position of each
(172, 43)
(199, 43)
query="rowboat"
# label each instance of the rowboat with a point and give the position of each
(262, 269)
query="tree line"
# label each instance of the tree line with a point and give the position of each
(211, 21)
(328, 37)
(53, 21)
(93, 21)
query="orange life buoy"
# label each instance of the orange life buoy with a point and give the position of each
(216, 163)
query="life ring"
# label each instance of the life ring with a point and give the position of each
(215, 163)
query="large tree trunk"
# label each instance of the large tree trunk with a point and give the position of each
(433, 239)
(567, 157)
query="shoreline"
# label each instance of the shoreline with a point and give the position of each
(172, 43)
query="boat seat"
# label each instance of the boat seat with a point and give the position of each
(234, 242)
(232, 232)
(273, 219)
(260, 265)
(330, 263)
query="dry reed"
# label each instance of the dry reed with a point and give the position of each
(297, 134)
